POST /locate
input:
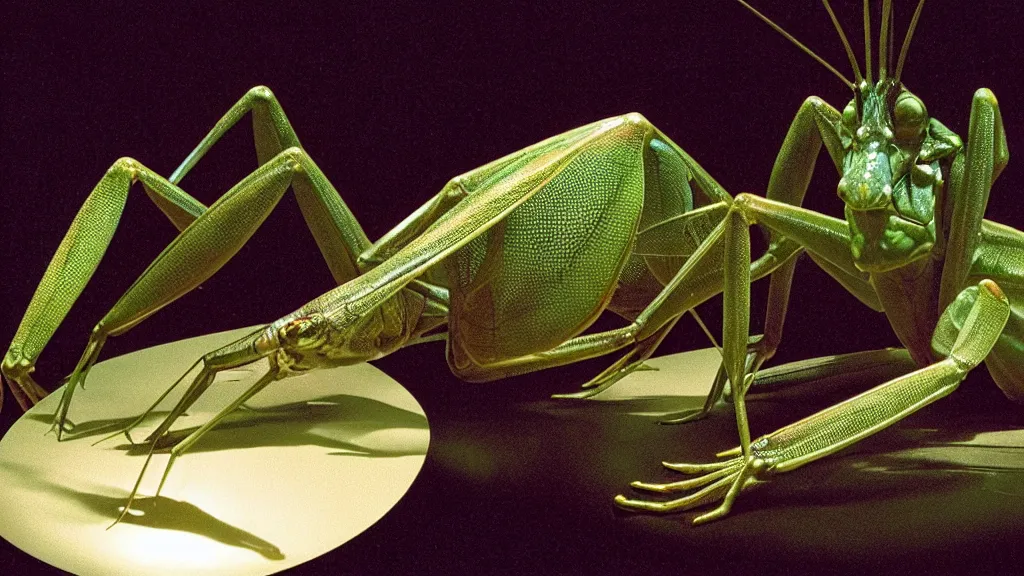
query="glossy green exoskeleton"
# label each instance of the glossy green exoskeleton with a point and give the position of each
(913, 244)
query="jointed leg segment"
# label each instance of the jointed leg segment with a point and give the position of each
(843, 424)
(208, 239)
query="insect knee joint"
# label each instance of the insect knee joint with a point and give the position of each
(984, 95)
(629, 335)
(636, 119)
(813, 101)
(99, 331)
(126, 164)
(15, 366)
(456, 188)
(742, 205)
(296, 155)
(261, 93)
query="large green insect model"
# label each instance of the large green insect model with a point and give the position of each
(512, 261)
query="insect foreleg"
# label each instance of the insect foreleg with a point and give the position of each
(794, 165)
(847, 422)
(791, 175)
(973, 173)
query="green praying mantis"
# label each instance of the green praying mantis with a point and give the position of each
(512, 261)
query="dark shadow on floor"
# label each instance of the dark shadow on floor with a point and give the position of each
(159, 512)
(333, 422)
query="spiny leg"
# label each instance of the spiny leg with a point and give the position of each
(789, 182)
(360, 296)
(189, 260)
(337, 232)
(791, 174)
(852, 420)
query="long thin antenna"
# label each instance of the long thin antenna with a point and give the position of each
(846, 43)
(799, 45)
(892, 37)
(883, 41)
(906, 41)
(867, 40)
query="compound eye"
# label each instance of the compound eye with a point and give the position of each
(909, 117)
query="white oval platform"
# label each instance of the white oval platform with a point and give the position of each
(315, 460)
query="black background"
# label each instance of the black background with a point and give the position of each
(393, 100)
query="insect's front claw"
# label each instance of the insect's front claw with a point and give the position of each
(717, 481)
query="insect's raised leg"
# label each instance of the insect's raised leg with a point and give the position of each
(75, 261)
(791, 174)
(337, 232)
(971, 178)
(981, 312)
(335, 229)
(199, 251)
